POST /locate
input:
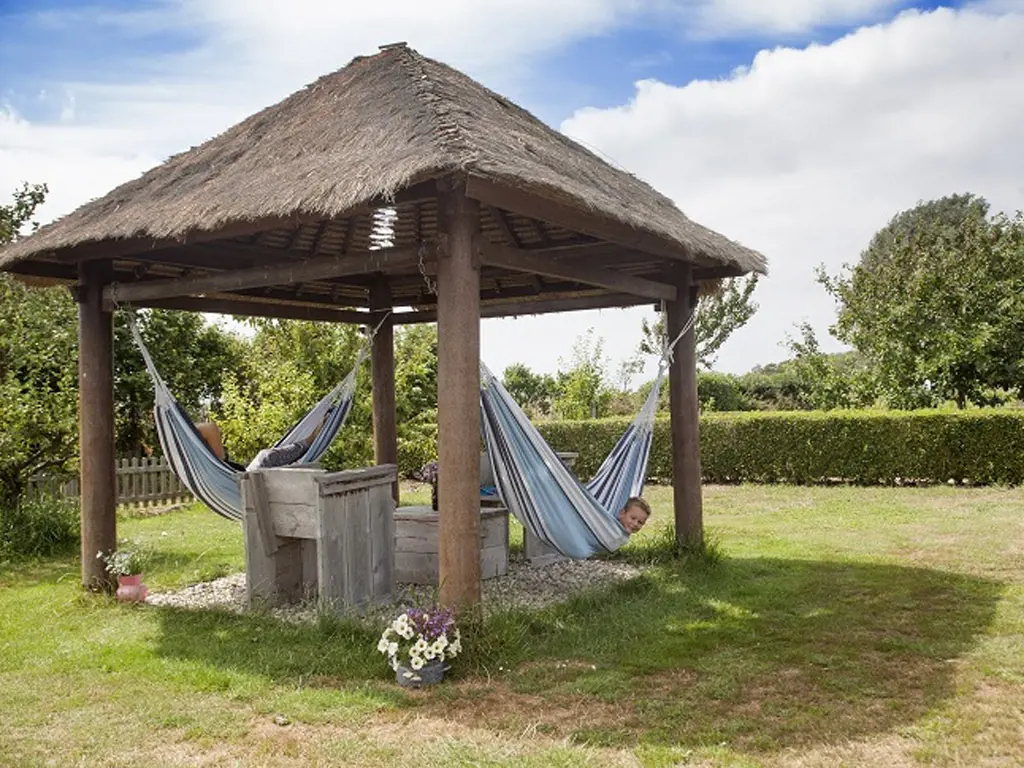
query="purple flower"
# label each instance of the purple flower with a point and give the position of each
(431, 624)
(429, 472)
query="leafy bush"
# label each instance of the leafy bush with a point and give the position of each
(720, 392)
(39, 527)
(864, 447)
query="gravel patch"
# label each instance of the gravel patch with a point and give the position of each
(524, 586)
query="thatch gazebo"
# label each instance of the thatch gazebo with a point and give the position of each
(394, 182)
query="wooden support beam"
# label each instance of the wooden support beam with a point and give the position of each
(98, 481)
(522, 261)
(47, 272)
(276, 275)
(685, 413)
(255, 308)
(458, 398)
(568, 217)
(232, 306)
(382, 363)
(717, 273)
(538, 307)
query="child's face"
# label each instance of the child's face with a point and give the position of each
(632, 519)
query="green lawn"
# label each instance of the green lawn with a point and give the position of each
(843, 626)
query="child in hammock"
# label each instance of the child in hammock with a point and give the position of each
(634, 514)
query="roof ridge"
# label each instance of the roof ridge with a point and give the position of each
(448, 132)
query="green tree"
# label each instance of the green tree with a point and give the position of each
(17, 215)
(38, 377)
(534, 392)
(416, 395)
(829, 381)
(291, 365)
(583, 390)
(935, 303)
(719, 315)
(192, 356)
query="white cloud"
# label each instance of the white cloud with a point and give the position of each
(722, 18)
(850, 132)
(806, 153)
(250, 54)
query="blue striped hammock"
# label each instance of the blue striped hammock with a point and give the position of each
(213, 481)
(577, 519)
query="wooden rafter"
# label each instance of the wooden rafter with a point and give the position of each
(526, 204)
(502, 223)
(523, 261)
(277, 275)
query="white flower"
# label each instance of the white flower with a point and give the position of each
(394, 663)
(419, 646)
(416, 662)
(383, 645)
(438, 647)
(392, 649)
(407, 632)
(429, 653)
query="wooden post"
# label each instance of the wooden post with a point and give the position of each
(382, 363)
(458, 397)
(96, 425)
(685, 412)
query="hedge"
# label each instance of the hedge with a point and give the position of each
(864, 447)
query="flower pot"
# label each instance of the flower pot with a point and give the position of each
(130, 589)
(430, 673)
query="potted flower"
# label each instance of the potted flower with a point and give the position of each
(127, 565)
(419, 643)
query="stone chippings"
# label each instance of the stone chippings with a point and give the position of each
(522, 587)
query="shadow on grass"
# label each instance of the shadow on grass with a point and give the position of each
(758, 653)
(328, 652)
(763, 652)
(186, 567)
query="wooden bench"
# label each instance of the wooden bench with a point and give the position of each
(309, 533)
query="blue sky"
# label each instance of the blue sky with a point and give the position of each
(601, 71)
(797, 127)
(46, 43)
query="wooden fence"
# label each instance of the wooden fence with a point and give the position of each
(140, 482)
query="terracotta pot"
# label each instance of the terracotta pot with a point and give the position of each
(130, 589)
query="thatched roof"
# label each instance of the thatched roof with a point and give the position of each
(364, 133)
